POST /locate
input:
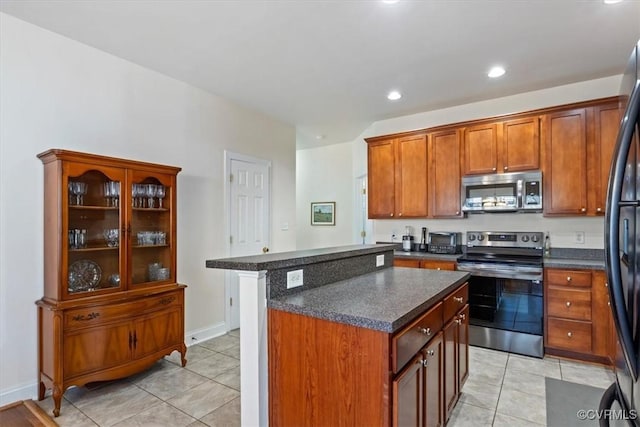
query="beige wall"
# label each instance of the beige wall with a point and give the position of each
(57, 93)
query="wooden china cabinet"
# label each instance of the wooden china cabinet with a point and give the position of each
(111, 305)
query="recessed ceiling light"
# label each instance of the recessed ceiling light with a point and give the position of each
(496, 71)
(611, 1)
(319, 137)
(394, 95)
(390, 1)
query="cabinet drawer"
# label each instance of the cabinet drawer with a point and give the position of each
(404, 262)
(569, 278)
(406, 343)
(574, 335)
(569, 303)
(89, 316)
(438, 265)
(455, 301)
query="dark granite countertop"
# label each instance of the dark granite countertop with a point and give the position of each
(384, 300)
(584, 259)
(271, 261)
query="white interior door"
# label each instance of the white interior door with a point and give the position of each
(249, 223)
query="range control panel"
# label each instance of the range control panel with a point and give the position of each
(509, 239)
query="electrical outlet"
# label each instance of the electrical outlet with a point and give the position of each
(578, 237)
(294, 279)
(380, 260)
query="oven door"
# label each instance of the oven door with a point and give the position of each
(506, 309)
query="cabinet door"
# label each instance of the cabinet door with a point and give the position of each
(480, 149)
(601, 316)
(96, 348)
(565, 165)
(444, 174)
(463, 346)
(408, 397)
(381, 177)
(433, 382)
(521, 145)
(151, 226)
(450, 377)
(157, 331)
(607, 121)
(92, 251)
(411, 176)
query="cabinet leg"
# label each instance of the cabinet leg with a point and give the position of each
(41, 390)
(57, 400)
(183, 353)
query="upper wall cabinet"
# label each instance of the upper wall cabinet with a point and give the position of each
(398, 177)
(606, 122)
(444, 173)
(507, 146)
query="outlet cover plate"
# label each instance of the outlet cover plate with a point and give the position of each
(379, 260)
(294, 279)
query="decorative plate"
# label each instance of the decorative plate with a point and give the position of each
(84, 275)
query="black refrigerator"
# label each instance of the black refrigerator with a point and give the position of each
(622, 253)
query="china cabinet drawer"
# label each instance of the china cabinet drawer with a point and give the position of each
(101, 314)
(411, 339)
(573, 278)
(455, 301)
(569, 303)
(574, 335)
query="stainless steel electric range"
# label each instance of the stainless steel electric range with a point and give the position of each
(505, 290)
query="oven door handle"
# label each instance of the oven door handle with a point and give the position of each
(524, 273)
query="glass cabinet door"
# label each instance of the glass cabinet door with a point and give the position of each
(151, 237)
(92, 229)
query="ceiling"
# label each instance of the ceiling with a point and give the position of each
(326, 66)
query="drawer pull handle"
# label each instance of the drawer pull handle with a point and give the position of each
(426, 331)
(569, 334)
(390, 214)
(431, 353)
(458, 321)
(606, 285)
(458, 299)
(568, 303)
(609, 303)
(89, 316)
(568, 278)
(463, 316)
(425, 362)
(167, 300)
(438, 268)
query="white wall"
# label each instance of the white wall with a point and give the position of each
(57, 93)
(331, 182)
(562, 230)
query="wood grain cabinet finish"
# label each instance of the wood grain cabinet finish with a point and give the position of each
(398, 177)
(328, 373)
(105, 313)
(456, 347)
(497, 147)
(432, 264)
(577, 315)
(445, 150)
(605, 121)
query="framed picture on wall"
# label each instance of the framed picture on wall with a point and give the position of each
(323, 213)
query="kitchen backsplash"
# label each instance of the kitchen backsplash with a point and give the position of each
(563, 232)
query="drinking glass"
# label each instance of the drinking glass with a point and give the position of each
(107, 192)
(151, 192)
(160, 192)
(81, 190)
(72, 192)
(111, 236)
(114, 187)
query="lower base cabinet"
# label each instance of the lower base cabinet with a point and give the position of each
(328, 373)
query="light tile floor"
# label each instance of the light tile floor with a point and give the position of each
(502, 390)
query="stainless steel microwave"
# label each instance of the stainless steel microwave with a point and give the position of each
(504, 192)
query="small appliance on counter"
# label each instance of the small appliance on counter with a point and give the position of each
(423, 241)
(407, 240)
(444, 242)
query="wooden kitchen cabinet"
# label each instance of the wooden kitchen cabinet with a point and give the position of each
(432, 264)
(398, 177)
(605, 123)
(504, 146)
(577, 315)
(111, 304)
(456, 347)
(445, 148)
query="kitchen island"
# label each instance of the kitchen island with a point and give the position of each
(343, 347)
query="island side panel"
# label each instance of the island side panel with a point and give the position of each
(323, 373)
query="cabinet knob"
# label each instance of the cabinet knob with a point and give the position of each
(569, 334)
(583, 210)
(265, 250)
(426, 331)
(438, 268)
(609, 303)
(598, 209)
(458, 321)
(606, 285)
(463, 316)
(506, 168)
(568, 278)
(494, 169)
(390, 214)
(400, 214)
(457, 212)
(568, 303)
(458, 299)
(431, 353)
(425, 362)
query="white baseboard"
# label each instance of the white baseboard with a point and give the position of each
(30, 390)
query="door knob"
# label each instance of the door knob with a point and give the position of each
(265, 250)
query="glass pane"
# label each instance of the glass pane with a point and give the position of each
(150, 232)
(93, 232)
